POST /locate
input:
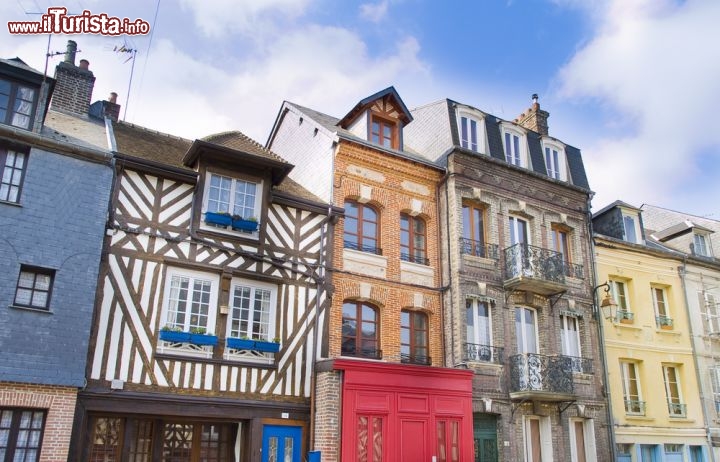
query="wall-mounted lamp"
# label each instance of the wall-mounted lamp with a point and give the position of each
(608, 305)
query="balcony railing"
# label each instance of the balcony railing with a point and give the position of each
(532, 373)
(478, 249)
(415, 359)
(362, 248)
(581, 365)
(483, 353)
(419, 259)
(634, 407)
(623, 316)
(677, 409)
(664, 322)
(352, 350)
(573, 270)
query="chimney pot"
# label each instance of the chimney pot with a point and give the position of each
(70, 52)
(84, 64)
(113, 97)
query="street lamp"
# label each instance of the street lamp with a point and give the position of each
(608, 304)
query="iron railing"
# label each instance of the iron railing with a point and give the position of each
(420, 259)
(352, 350)
(415, 359)
(634, 407)
(478, 249)
(664, 321)
(621, 315)
(534, 262)
(483, 353)
(541, 373)
(677, 409)
(581, 365)
(362, 248)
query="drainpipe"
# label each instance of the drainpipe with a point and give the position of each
(601, 334)
(682, 271)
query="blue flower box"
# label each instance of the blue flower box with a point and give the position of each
(214, 218)
(240, 343)
(244, 225)
(203, 339)
(175, 336)
(267, 347)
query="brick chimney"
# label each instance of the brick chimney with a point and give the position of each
(534, 119)
(74, 85)
(109, 108)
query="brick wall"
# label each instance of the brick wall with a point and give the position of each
(73, 88)
(59, 402)
(327, 415)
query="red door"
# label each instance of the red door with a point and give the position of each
(413, 440)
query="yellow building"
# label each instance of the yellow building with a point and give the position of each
(652, 377)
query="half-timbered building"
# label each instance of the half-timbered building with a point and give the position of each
(209, 299)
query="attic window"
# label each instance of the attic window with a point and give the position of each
(631, 227)
(383, 132)
(17, 104)
(700, 245)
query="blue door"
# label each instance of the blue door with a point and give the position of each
(281, 443)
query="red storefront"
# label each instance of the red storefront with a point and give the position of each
(405, 413)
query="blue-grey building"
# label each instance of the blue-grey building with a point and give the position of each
(54, 192)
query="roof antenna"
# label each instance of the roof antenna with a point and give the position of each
(133, 53)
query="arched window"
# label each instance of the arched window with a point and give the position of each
(413, 238)
(361, 228)
(360, 330)
(414, 337)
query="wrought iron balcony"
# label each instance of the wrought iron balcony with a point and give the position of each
(664, 322)
(478, 249)
(419, 259)
(548, 378)
(625, 317)
(677, 409)
(483, 353)
(534, 269)
(362, 248)
(352, 350)
(581, 365)
(406, 358)
(634, 407)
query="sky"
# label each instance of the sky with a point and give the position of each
(635, 84)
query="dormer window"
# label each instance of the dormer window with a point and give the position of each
(514, 145)
(631, 227)
(17, 104)
(238, 199)
(555, 161)
(701, 246)
(471, 131)
(383, 132)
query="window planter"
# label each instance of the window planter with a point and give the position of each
(186, 337)
(203, 339)
(215, 218)
(244, 225)
(267, 347)
(256, 345)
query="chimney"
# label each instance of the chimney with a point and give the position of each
(534, 118)
(103, 109)
(74, 85)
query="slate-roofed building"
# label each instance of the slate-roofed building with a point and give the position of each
(518, 309)
(54, 192)
(382, 391)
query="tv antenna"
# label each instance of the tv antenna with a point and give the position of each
(131, 53)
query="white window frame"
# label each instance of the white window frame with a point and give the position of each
(556, 166)
(704, 240)
(521, 155)
(464, 117)
(524, 346)
(566, 340)
(193, 276)
(474, 332)
(617, 288)
(678, 384)
(631, 215)
(625, 366)
(233, 311)
(715, 385)
(711, 310)
(654, 289)
(257, 206)
(545, 427)
(588, 439)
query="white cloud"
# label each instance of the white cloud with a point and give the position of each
(374, 12)
(656, 64)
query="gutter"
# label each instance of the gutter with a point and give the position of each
(18, 135)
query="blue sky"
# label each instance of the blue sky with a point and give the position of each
(635, 84)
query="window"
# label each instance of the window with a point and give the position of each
(414, 337)
(448, 440)
(412, 239)
(514, 147)
(479, 331)
(370, 438)
(525, 330)
(570, 339)
(473, 238)
(631, 388)
(17, 104)
(672, 390)
(21, 433)
(620, 295)
(560, 242)
(361, 228)
(239, 198)
(34, 287)
(252, 310)
(555, 161)
(700, 245)
(631, 227)
(12, 173)
(711, 309)
(537, 438)
(469, 133)
(383, 132)
(715, 381)
(662, 315)
(360, 330)
(190, 303)
(582, 436)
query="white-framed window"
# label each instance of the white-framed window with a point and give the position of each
(514, 145)
(478, 321)
(537, 432)
(711, 310)
(619, 291)
(241, 198)
(671, 377)
(631, 227)
(190, 301)
(555, 160)
(662, 309)
(582, 437)
(701, 245)
(526, 330)
(12, 174)
(252, 310)
(570, 340)
(472, 132)
(629, 374)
